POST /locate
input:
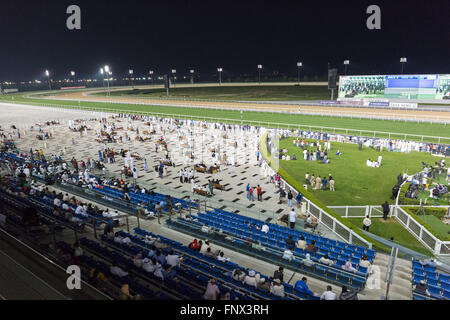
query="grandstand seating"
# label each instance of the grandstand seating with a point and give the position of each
(272, 253)
(438, 283)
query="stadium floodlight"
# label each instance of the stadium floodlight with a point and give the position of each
(72, 73)
(346, 63)
(131, 77)
(220, 75)
(191, 71)
(150, 72)
(47, 73)
(259, 73)
(108, 74)
(402, 61)
(299, 64)
(174, 78)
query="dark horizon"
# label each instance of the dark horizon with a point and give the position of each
(236, 36)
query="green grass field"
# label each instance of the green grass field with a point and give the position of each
(355, 183)
(236, 93)
(295, 121)
(392, 228)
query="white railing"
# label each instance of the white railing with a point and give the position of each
(360, 211)
(432, 243)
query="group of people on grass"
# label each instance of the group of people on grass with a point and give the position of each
(318, 183)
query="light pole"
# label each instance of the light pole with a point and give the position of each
(47, 73)
(402, 61)
(103, 78)
(72, 73)
(151, 75)
(108, 73)
(131, 76)
(299, 64)
(259, 73)
(192, 75)
(220, 75)
(174, 77)
(346, 63)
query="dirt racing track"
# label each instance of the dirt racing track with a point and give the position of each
(365, 112)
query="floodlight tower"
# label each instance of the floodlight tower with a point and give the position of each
(259, 73)
(47, 73)
(151, 75)
(402, 61)
(192, 75)
(174, 72)
(220, 75)
(108, 74)
(346, 63)
(299, 65)
(131, 76)
(72, 73)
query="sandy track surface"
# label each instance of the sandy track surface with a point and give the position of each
(271, 107)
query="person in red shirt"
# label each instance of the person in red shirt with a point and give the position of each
(252, 198)
(259, 192)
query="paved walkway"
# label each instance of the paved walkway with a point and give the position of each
(198, 139)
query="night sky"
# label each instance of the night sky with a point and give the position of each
(235, 35)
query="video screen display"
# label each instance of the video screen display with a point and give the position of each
(395, 86)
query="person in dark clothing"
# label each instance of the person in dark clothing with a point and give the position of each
(278, 274)
(290, 244)
(386, 210)
(348, 295)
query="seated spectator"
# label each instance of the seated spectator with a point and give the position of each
(348, 294)
(328, 294)
(348, 266)
(326, 260)
(194, 245)
(288, 255)
(277, 288)
(421, 288)
(151, 252)
(364, 262)
(307, 261)
(278, 274)
(301, 286)
(148, 265)
(209, 253)
(160, 257)
(221, 257)
(312, 247)
(238, 274)
(290, 244)
(212, 291)
(138, 261)
(301, 244)
(253, 279)
(265, 228)
(117, 271)
(119, 239)
(173, 259)
(206, 228)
